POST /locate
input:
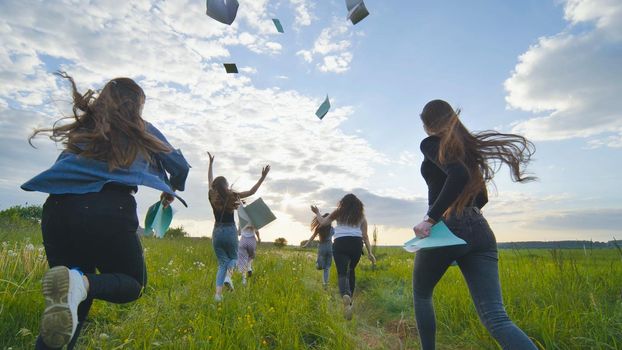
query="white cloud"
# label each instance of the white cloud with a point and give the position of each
(177, 59)
(572, 79)
(304, 17)
(332, 45)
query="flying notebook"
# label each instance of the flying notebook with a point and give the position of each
(356, 10)
(257, 214)
(230, 67)
(158, 219)
(278, 25)
(440, 236)
(224, 11)
(323, 109)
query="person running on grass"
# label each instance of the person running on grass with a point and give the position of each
(457, 166)
(89, 220)
(224, 202)
(324, 249)
(246, 250)
(350, 234)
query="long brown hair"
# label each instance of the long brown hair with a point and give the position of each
(481, 153)
(222, 197)
(322, 231)
(107, 127)
(350, 210)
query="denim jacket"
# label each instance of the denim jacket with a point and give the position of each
(74, 174)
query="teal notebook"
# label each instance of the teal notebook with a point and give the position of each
(158, 220)
(257, 214)
(440, 236)
(323, 109)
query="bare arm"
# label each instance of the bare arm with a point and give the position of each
(264, 173)
(210, 174)
(370, 255)
(257, 234)
(323, 221)
(310, 239)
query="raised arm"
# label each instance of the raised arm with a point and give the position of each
(264, 173)
(210, 173)
(257, 234)
(323, 221)
(370, 255)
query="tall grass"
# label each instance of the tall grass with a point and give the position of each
(563, 299)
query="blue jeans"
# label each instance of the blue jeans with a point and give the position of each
(225, 242)
(324, 258)
(478, 262)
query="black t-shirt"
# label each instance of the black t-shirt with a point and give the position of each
(445, 181)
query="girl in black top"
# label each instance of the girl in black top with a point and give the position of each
(224, 201)
(457, 166)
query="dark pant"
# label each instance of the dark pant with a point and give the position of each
(96, 231)
(478, 262)
(347, 253)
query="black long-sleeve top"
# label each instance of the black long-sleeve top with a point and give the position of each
(445, 181)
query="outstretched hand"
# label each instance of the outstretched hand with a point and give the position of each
(211, 158)
(265, 171)
(314, 209)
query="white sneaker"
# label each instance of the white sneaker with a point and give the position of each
(218, 298)
(229, 282)
(347, 307)
(63, 290)
(243, 281)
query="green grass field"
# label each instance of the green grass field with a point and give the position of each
(562, 299)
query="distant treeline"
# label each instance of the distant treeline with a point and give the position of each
(559, 245)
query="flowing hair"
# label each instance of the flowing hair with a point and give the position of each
(350, 210)
(322, 231)
(107, 127)
(222, 197)
(481, 153)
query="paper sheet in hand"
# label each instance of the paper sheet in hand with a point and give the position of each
(440, 236)
(224, 11)
(257, 214)
(158, 219)
(324, 108)
(356, 10)
(278, 25)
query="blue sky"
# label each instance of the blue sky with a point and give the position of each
(546, 69)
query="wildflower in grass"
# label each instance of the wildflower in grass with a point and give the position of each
(11, 253)
(104, 336)
(5, 244)
(29, 247)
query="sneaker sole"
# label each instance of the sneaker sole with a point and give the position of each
(347, 305)
(57, 322)
(229, 286)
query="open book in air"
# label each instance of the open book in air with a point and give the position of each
(440, 236)
(257, 214)
(158, 219)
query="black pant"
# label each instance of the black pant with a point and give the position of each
(96, 231)
(347, 253)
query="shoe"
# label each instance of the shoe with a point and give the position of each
(218, 298)
(347, 307)
(249, 273)
(229, 283)
(63, 290)
(243, 281)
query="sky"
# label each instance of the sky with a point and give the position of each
(548, 69)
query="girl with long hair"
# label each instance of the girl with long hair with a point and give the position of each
(350, 234)
(89, 220)
(324, 249)
(457, 166)
(224, 202)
